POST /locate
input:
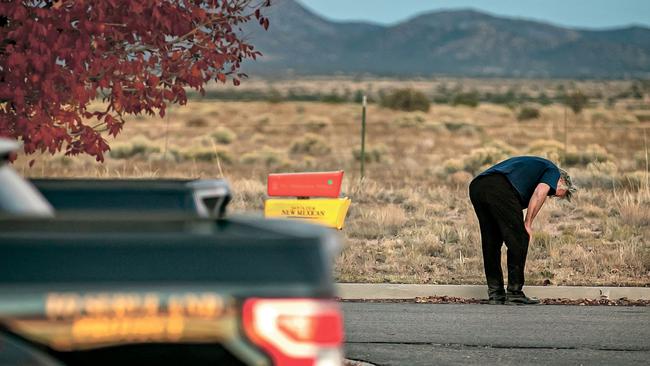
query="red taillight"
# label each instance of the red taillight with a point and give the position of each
(296, 332)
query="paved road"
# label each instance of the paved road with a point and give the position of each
(428, 334)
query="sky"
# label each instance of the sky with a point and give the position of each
(572, 13)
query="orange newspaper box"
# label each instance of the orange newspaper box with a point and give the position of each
(317, 198)
(322, 184)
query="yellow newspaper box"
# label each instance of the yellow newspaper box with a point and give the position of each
(328, 209)
(330, 212)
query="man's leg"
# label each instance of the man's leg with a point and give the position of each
(491, 241)
(516, 239)
(511, 223)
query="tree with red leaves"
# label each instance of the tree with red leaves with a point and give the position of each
(137, 56)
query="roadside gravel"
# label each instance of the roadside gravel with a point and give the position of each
(459, 300)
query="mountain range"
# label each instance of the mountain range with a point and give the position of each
(453, 43)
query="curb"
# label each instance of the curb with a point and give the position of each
(366, 291)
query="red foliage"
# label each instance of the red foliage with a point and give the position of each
(136, 55)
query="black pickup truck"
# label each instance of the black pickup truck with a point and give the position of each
(161, 288)
(204, 198)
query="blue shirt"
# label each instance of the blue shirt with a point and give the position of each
(525, 173)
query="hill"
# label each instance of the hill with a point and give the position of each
(454, 43)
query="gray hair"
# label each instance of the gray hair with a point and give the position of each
(568, 184)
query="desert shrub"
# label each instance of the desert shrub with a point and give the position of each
(586, 179)
(462, 128)
(406, 100)
(431, 248)
(306, 163)
(591, 154)
(300, 109)
(358, 96)
(441, 98)
(543, 244)
(470, 99)
(258, 139)
(599, 117)
(640, 160)
(597, 175)
(459, 179)
(262, 120)
(503, 147)
(607, 167)
(121, 151)
(248, 196)
(455, 126)
(333, 98)
(480, 158)
(453, 165)
(196, 122)
(544, 99)
(434, 127)
(138, 146)
(64, 160)
(447, 234)
(210, 154)
(549, 149)
(171, 156)
(575, 100)
(265, 156)
(626, 120)
(635, 210)
(528, 113)
(633, 180)
(545, 145)
(317, 123)
(554, 150)
(310, 144)
(643, 117)
(142, 145)
(223, 135)
(413, 119)
(205, 141)
(274, 96)
(374, 154)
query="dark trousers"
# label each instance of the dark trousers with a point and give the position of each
(500, 216)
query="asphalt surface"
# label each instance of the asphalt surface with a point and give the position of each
(433, 334)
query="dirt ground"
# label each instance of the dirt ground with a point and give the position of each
(411, 219)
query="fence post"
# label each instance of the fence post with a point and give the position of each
(566, 136)
(647, 167)
(363, 136)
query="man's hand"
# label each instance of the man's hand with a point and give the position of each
(535, 204)
(529, 230)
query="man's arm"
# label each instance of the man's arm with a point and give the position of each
(535, 204)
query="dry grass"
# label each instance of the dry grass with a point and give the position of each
(411, 220)
(224, 136)
(379, 222)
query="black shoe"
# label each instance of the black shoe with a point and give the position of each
(519, 298)
(496, 300)
(496, 296)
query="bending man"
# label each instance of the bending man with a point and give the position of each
(499, 195)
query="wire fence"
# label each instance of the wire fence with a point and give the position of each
(313, 121)
(403, 139)
(384, 123)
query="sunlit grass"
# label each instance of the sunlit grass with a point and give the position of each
(411, 219)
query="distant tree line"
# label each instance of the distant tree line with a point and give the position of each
(412, 99)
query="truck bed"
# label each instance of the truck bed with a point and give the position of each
(206, 197)
(291, 260)
(77, 289)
